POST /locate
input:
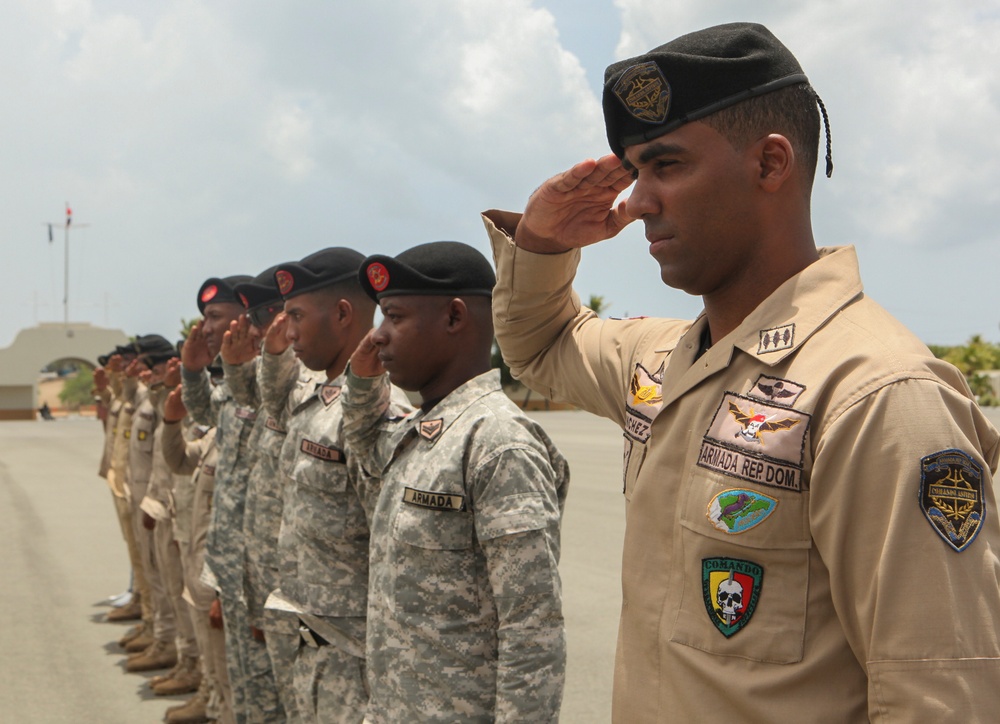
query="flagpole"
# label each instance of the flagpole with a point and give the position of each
(66, 276)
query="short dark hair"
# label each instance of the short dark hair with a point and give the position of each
(790, 111)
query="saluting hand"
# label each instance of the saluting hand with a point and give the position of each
(172, 378)
(173, 406)
(365, 361)
(576, 208)
(100, 379)
(194, 354)
(275, 341)
(240, 343)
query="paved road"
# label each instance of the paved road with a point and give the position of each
(62, 556)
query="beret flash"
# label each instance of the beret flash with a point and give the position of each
(219, 290)
(691, 77)
(321, 269)
(259, 291)
(435, 268)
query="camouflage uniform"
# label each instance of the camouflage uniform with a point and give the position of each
(465, 616)
(323, 547)
(199, 459)
(209, 401)
(268, 685)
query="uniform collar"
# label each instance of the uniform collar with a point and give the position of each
(432, 424)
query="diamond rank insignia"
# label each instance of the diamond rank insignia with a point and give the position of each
(951, 496)
(731, 588)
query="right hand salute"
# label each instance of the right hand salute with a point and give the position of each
(576, 208)
(195, 355)
(275, 341)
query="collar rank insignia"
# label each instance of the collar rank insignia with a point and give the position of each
(731, 588)
(329, 393)
(951, 496)
(737, 510)
(644, 92)
(431, 429)
(754, 425)
(776, 339)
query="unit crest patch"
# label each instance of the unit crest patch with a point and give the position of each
(776, 339)
(753, 441)
(776, 391)
(644, 92)
(329, 393)
(737, 510)
(731, 589)
(431, 429)
(951, 496)
(643, 402)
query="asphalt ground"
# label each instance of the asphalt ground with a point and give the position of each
(62, 556)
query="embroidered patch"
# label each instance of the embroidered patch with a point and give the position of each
(322, 452)
(951, 496)
(434, 501)
(756, 442)
(244, 300)
(285, 281)
(142, 435)
(208, 294)
(431, 429)
(776, 339)
(128, 434)
(378, 276)
(644, 92)
(208, 470)
(329, 393)
(643, 402)
(776, 390)
(737, 510)
(731, 589)
(272, 424)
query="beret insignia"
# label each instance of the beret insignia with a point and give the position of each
(208, 294)
(285, 281)
(378, 275)
(644, 92)
(243, 298)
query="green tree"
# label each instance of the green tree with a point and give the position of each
(78, 389)
(972, 359)
(597, 303)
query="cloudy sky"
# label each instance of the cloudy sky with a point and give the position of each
(213, 137)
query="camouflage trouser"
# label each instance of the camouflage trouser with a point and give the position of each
(282, 631)
(168, 559)
(255, 692)
(211, 643)
(330, 686)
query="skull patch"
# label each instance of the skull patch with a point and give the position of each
(731, 588)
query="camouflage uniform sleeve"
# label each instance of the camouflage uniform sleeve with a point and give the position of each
(197, 395)
(242, 381)
(180, 455)
(276, 377)
(365, 403)
(517, 523)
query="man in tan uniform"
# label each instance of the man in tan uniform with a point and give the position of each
(811, 530)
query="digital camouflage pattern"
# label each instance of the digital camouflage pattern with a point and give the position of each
(465, 608)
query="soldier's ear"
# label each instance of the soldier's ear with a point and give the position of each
(458, 315)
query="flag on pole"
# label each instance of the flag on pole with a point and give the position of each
(69, 215)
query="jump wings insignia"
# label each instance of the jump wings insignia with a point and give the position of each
(755, 424)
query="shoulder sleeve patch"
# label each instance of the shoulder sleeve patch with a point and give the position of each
(951, 496)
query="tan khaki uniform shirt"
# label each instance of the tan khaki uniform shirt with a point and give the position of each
(811, 525)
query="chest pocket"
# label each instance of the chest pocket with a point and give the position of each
(745, 554)
(321, 501)
(434, 561)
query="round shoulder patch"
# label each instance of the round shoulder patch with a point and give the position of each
(378, 275)
(285, 281)
(209, 292)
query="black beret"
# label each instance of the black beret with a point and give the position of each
(435, 268)
(102, 360)
(691, 77)
(219, 290)
(259, 291)
(123, 349)
(154, 348)
(321, 269)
